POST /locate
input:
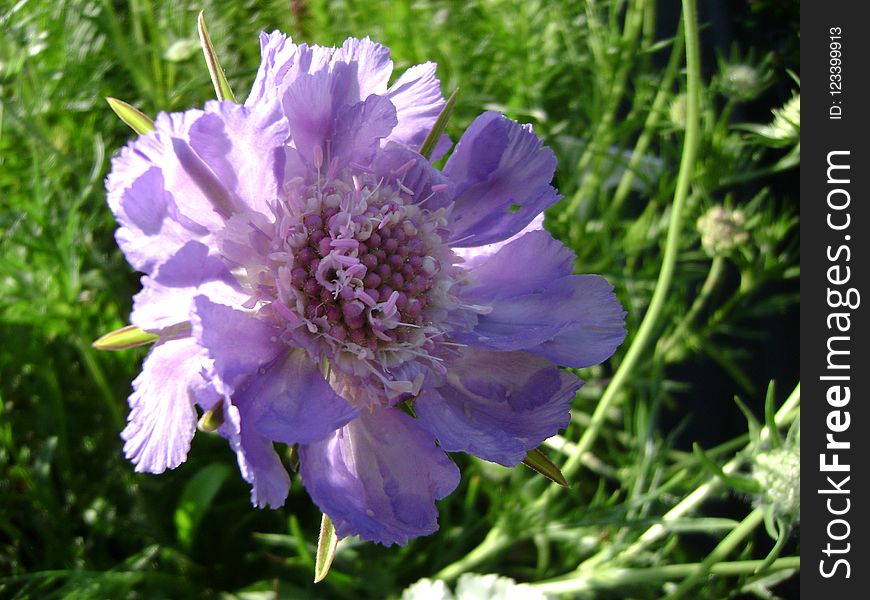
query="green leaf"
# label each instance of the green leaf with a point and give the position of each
(538, 461)
(133, 117)
(326, 546)
(195, 500)
(770, 415)
(218, 78)
(125, 338)
(743, 484)
(431, 140)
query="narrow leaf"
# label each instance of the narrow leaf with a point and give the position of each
(538, 461)
(770, 415)
(221, 85)
(326, 545)
(195, 500)
(125, 338)
(743, 484)
(133, 117)
(431, 140)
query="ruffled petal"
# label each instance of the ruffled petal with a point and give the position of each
(497, 405)
(360, 128)
(239, 344)
(281, 63)
(162, 416)
(166, 299)
(595, 321)
(378, 477)
(536, 305)
(503, 178)
(418, 101)
(292, 403)
(244, 149)
(258, 462)
(371, 64)
(154, 222)
(311, 106)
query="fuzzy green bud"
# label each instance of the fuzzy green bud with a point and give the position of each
(741, 82)
(778, 472)
(722, 230)
(677, 111)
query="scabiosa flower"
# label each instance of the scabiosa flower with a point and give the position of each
(307, 271)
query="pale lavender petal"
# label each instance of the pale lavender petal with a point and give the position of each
(536, 305)
(503, 178)
(360, 128)
(157, 204)
(596, 322)
(239, 343)
(282, 62)
(292, 403)
(166, 299)
(371, 64)
(418, 101)
(244, 150)
(162, 416)
(258, 462)
(378, 477)
(497, 405)
(526, 264)
(477, 254)
(311, 106)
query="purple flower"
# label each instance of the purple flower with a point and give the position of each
(307, 270)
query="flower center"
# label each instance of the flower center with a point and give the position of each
(355, 270)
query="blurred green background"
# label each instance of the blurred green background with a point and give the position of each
(604, 85)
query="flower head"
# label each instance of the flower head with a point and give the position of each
(307, 270)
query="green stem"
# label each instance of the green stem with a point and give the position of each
(606, 579)
(602, 136)
(784, 416)
(649, 126)
(722, 550)
(494, 542)
(717, 267)
(651, 318)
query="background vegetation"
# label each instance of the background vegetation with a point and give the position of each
(605, 84)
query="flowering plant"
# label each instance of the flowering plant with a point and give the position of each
(312, 279)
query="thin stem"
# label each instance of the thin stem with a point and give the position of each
(649, 126)
(603, 133)
(494, 542)
(723, 549)
(657, 303)
(610, 578)
(717, 267)
(784, 416)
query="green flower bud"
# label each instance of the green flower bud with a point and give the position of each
(741, 82)
(722, 230)
(778, 472)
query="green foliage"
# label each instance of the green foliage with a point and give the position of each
(605, 87)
